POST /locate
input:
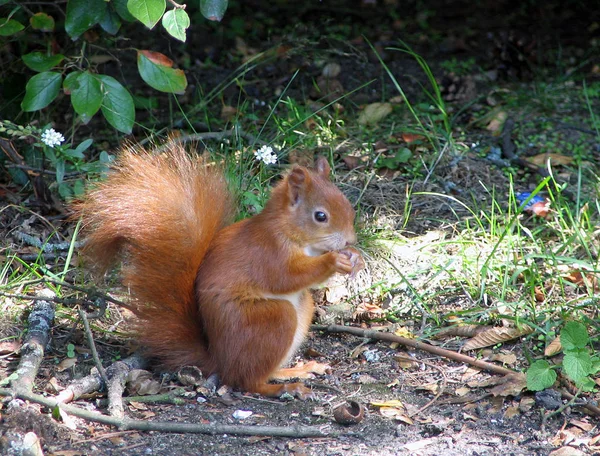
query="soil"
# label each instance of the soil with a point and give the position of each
(514, 44)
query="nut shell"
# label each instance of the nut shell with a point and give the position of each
(350, 413)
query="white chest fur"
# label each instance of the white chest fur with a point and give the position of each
(301, 305)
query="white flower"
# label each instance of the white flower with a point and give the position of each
(52, 138)
(266, 155)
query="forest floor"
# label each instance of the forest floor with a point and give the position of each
(428, 216)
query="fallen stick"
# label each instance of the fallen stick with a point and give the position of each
(182, 428)
(370, 334)
(93, 382)
(34, 345)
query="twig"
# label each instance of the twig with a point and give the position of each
(172, 397)
(590, 407)
(188, 428)
(34, 345)
(547, 416)
(46, 247)
(116, 387)
(370, 334)
(90, 339)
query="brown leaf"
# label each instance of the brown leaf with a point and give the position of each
(495, 336)
(367, 311)
(504, 358)
(157, 58)
(66, 364)
(9, 346)
(411, 137)
(405, 361)
(511, 385)
(140, 382)
(228, 112)
(496, 124)
(553, 347)
(555, 159)
(351, 162)
(461, 331)
(374, 113)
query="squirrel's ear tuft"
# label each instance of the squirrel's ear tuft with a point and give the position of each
(322, 167)
(297, 180)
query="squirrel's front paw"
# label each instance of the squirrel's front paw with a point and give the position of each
(355, 258)
(343, 262)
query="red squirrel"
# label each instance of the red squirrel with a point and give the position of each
(231, 299)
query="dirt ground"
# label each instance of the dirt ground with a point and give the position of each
(420, 421)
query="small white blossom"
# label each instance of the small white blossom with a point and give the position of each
(266, 155)
(52, 138)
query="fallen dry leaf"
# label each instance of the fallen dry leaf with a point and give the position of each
(405, 361)
(555, 159)
(495, 336)
(366, 311)
(511, 412)
(553, 347)
(504, 358)
(582, 425)
(411, 137)
(510, 385)
(566, 451)
(461, 330)
(9, 346)
(374, 113)
(497, 122)
(66, 364)
(420, 444)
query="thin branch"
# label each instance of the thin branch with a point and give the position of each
(187, 428)
(90, 339)
(370, 334)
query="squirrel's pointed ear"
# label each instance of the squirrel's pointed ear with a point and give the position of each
(322, 167)
(297, 180)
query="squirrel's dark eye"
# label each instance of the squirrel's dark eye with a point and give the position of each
(320, 216)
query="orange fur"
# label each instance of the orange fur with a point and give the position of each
(230, 299)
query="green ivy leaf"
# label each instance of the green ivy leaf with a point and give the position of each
(117, 105)
(120, 7)
(70, 83)
(111, 22)
(213, 10)
(148, 12)
(83, 15)
(577, 364)
(42, 22)
(176, 22)
(155, 69)
(9, 26)
(574, 336)
(540, 376)
(86, 96)
(41, 90)
(39, 61)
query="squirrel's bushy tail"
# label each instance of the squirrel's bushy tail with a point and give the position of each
(158, 212)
